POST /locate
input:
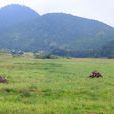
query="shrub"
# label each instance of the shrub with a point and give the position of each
(43, 55)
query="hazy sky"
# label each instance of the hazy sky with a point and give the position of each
(101, 10)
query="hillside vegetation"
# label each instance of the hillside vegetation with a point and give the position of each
(63, 34)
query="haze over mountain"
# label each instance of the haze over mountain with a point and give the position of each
(22, 28)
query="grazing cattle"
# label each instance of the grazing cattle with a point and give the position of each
(95, 74)
(3, 80)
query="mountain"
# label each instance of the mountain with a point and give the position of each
(14, 14)
(60, 33)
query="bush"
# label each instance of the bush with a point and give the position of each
(44, 56)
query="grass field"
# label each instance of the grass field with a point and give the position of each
(56, 86)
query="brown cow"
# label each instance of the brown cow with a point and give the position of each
(95, 74)
(3, 80)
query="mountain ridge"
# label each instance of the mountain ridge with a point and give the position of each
(52, 31)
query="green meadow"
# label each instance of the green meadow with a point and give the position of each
(55, 86)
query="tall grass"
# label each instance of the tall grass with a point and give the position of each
(59, 86)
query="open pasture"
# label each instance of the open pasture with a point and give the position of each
(55, 86)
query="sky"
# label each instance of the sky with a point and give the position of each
(101, 10)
